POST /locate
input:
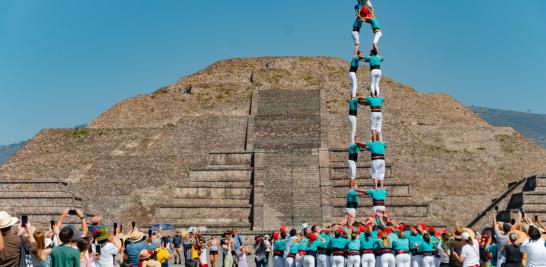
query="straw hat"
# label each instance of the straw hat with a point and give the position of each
(135, 236)
(6, 220)
(470, 232)
(144, 254)
(151, 263)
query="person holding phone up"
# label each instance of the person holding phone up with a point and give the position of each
(10, 240)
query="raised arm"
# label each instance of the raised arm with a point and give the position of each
(61, 218)
(84, 223)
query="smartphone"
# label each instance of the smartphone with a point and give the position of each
(115, 227)
(133, 225)
(512, 221)
(72, 212)
(536, 218)
(97, 249)
(522, 212)
(121, 228)
(24, 220)
(52, 223)
(150, 233)
(497, 209)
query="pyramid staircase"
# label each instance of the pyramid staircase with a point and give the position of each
(217, 197)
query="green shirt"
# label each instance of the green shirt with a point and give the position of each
(353, 149)
(65, 256)
(369, 244)
(374, 60)
(327, 238)
(413, 239)
(279, 245)
(376, 147)
(352, 197)
(354, 103)
(294, 248)
(338, 243)
(375, 102)
(379, 244)
(426, 247)
(401, 244)
(353, 244)
(377, 194)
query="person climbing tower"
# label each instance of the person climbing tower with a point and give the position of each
(362, 10)
(376, 117)
(355, 62)
(353, 199)
(369, 17)
(375, 71)
(352, 151)
(377, 150)
(354, 103)
(378, 198)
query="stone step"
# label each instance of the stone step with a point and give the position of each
(35, 194)
(541, 181)
(534, 198)
(32, 185)
(533, 210)
(7, 202)
(245, 184)
(395, 209)
(540, 189)
(406, 220)
(208, 203)
(213, 223)
(340, 201)
(230, 158)
(43, 209)
(213, 193)
(342, 172)
(213, 212)
(337, 155)
(340, 187)
(220, 175)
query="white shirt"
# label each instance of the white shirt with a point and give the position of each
(536, 252)
(471, 256)
(107, 254)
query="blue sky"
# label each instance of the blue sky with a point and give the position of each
(63, 62)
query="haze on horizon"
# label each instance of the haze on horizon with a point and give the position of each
(63, 63)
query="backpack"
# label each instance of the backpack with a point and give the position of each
(28, 259)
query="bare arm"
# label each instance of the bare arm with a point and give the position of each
(60, 221)
(1, 242)
(539, 223)
(84, 223)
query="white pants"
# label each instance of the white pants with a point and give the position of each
(376, 208)
(352, 122)
(354, 82)
(428, 261)
(416, 260)
(377, 36)
(375, 78)
(298, 261)
(351, 212)
(368, 260)
(437, 261)
(387, 260)
(353, 261)
(338, 261)
(356, 37)
(376, 120)
(288, 262)
(323, 260)
(278, 261)
(403, 260)
(308, 261)
(352, 169)
(378, 169)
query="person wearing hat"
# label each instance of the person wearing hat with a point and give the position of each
(278, 249)
(108, 249)
(311, 249)
(136, 242)
(470, 254)
(144, 259)
(10, 242)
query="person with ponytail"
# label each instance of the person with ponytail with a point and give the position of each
(353, 248)
(401, 249)
(384, 248)
(366, 249)
(426, 249)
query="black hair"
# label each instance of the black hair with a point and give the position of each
(283, 235)
(293, 232)
(66, 234)
(373, 52)
(314, 228)
(506, 227)
(534, 233)
(426, 237)
(375, 227)
(337, 234)
(83, 244)
(367, 234)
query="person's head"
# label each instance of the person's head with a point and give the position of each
(96, 220)
(283, 235)
(401, 234)
(83, 245)
(358, 53)
(426, 237)
(293, 232)
(413, 230)
(354, 235)
(6, 222)
(66, 235)
(513, 238)
(534, 233)
(373, 52)
(337, 234)
(315, 229)
(465, 236)
(234, 232)
(506, 227)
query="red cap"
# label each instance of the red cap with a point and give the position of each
(401, 227)
(437, 233)
(388, 230)
(361, 228)
(313, 236)
(379, 233)
(276, 236)
(430, 228)
(283, 228)
(444, 231)
(423, 226)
